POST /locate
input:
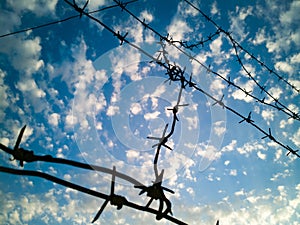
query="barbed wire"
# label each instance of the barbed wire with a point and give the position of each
(175, 73)
(277, 105)
(234, 42)
(155, 191)
(89, 192)
(61, 21)
(185, 82)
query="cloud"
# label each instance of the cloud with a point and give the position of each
(237, 22)
(149, 116)
(135, 108)
(3, 95)
(248, 86)
(250, 147)
(179, 29)
(26, 54)
(53, 119)
(219, 128)
(296, 137)
(284, 67)
(39, 8)
(268, 115)
(261, 155)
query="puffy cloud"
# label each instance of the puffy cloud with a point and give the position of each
(53, 119)
(250, 147)
(149, 116)
(26, 54)
(237, 22)
(268, 115)
(3, 95)
(135, 108)
(296, 137)
(261, 155)
(215, 46)
(179, 29)
(219, 128)
(284, 67)
(38, 7)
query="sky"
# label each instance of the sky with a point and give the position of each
(85, 97)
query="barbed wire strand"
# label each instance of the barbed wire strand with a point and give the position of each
(241, 47)
(50, 159)
(124, 40)
(62, 20)
(284, 108)
(85, 190)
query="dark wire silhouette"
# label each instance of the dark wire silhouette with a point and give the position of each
(28, 156)
(24, 155)
(234, 42)
(85, 190)
(161, 142)
(187, 81)
(62, 20)
(156, 192)
(170, 41)
(114, 199)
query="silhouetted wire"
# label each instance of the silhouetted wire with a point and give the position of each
(62, 20)
(51, 159)
(84, 190)
(241, 47)
(278, 104)
(123, 39)
(22, 155)
(285, 109)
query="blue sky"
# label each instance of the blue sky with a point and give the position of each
(86, 98)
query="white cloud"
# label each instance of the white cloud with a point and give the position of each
(132, 155)
(284, 67)
(214, 8)
(112, 110)
(295, 58)
(275, 92)
(219, 128)
(26, 54)
(135, 108)
(217, 87)
(239, 94)
(250, 147)
(292, 15)
(296, 137)
(39, 8)
(233, 172)
(3, 95)
(260, 36)
(53, 119)
(268, 115)
(238, 23)
(230, 147)
(178, 29)
(149, 116)
(215, 45)
(227, 162)
(261, 155)
(147, 16)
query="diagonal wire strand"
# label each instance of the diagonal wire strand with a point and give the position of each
(60, 21)
(284, 108)
(84, 190)
(123, 39)
(241, 47)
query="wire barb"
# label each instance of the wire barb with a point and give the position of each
(156, 192)
(247, 119)
(116, 200)
(78, 9)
